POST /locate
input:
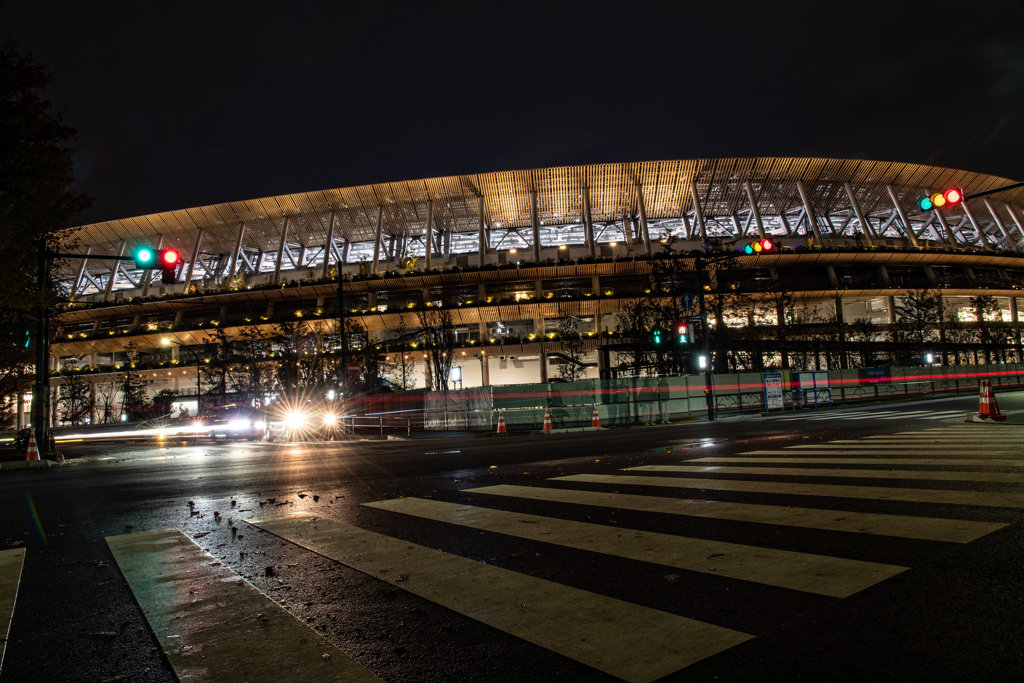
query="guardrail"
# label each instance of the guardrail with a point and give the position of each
(350, 424)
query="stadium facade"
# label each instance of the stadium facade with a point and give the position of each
(513, 254)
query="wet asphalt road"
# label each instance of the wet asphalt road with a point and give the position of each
(955, 615)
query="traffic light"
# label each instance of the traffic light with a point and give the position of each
(759, 246)
(145, 258)
(682, 332)
(168, 260)
(656, 336)
(950, 197)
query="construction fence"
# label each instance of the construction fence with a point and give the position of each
(663, 399)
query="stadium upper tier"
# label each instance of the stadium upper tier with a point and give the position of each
(606, 209)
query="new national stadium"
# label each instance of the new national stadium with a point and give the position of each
(540, 281)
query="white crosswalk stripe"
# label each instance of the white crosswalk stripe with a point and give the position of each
(640, 643)
(875, 415)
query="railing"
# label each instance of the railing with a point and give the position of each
(378, 423)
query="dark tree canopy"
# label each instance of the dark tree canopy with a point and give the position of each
(36, 200)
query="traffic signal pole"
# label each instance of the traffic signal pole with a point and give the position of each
(41, 388)
(41, 407)
(709, 385)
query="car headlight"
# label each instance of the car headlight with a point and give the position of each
(295, 420)
(238, 425)
(330, 420)
(260, 425)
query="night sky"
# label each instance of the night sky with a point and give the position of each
(207, 102)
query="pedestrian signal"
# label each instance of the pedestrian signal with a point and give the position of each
(682, 333)
(950, 197)
(656, 336)
(759, 246)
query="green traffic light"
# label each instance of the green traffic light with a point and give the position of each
(925, 203)
(144, 256)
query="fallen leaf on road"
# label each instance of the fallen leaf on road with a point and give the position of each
(325, 656)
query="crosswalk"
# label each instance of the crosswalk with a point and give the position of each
(881, 415)
(843, 492)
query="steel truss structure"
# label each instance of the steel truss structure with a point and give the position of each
(640, 204)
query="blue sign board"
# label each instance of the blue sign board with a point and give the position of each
(686, 300)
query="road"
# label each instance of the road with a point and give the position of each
(874, 544)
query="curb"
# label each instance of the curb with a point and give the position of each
(28, 464)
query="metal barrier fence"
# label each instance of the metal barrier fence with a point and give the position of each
(661, 399)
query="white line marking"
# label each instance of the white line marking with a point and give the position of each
(213, 625)
(635, 643)
(1002, 477)
(11, 564)
(902, 526)
(943, 497)
(832, 576)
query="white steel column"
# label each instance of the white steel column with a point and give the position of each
(195, 255)
(280, 250)
(1016, 220)
(483, 235)
(1002, 226)
(903, 216)
(148, 275)
(699, 213)
(643, 218)
(376, 241)
(812, 220)
(535, 221)
(113, 272)
(78, 278)
(945, 227)
(234, 257)
(753, 207)
(429, 235)
(977, 227)
(588, 223)
(329, 247)
(865, 225)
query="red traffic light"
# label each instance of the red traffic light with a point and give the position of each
(169, 258)
(954, 195)
(758, 246)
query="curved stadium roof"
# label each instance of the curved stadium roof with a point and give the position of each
(665, 187)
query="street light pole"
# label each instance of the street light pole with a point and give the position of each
(709, 385)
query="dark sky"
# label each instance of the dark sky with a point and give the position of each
(206, 102)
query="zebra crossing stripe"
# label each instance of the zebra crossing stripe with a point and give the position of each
(824, 449)
(213, 625)
(635, 643)
(938, 462)
(832, 576)
(911, 495)
(900, 526)
(989, 447)
(11, 563)
(1001, 477)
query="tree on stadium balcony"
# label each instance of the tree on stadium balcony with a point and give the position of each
(75, 396)
(636, 319)
(865, 331)
(215, 367)
(572, 348)
(133, 388)
(437, 329)
(917, 315)
(36, 201)
(252, 378)
(987, 330)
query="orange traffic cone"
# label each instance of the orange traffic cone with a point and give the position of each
(501, 421)
(33, 451)
(987, 406)
(547, 420)
(596, 420)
